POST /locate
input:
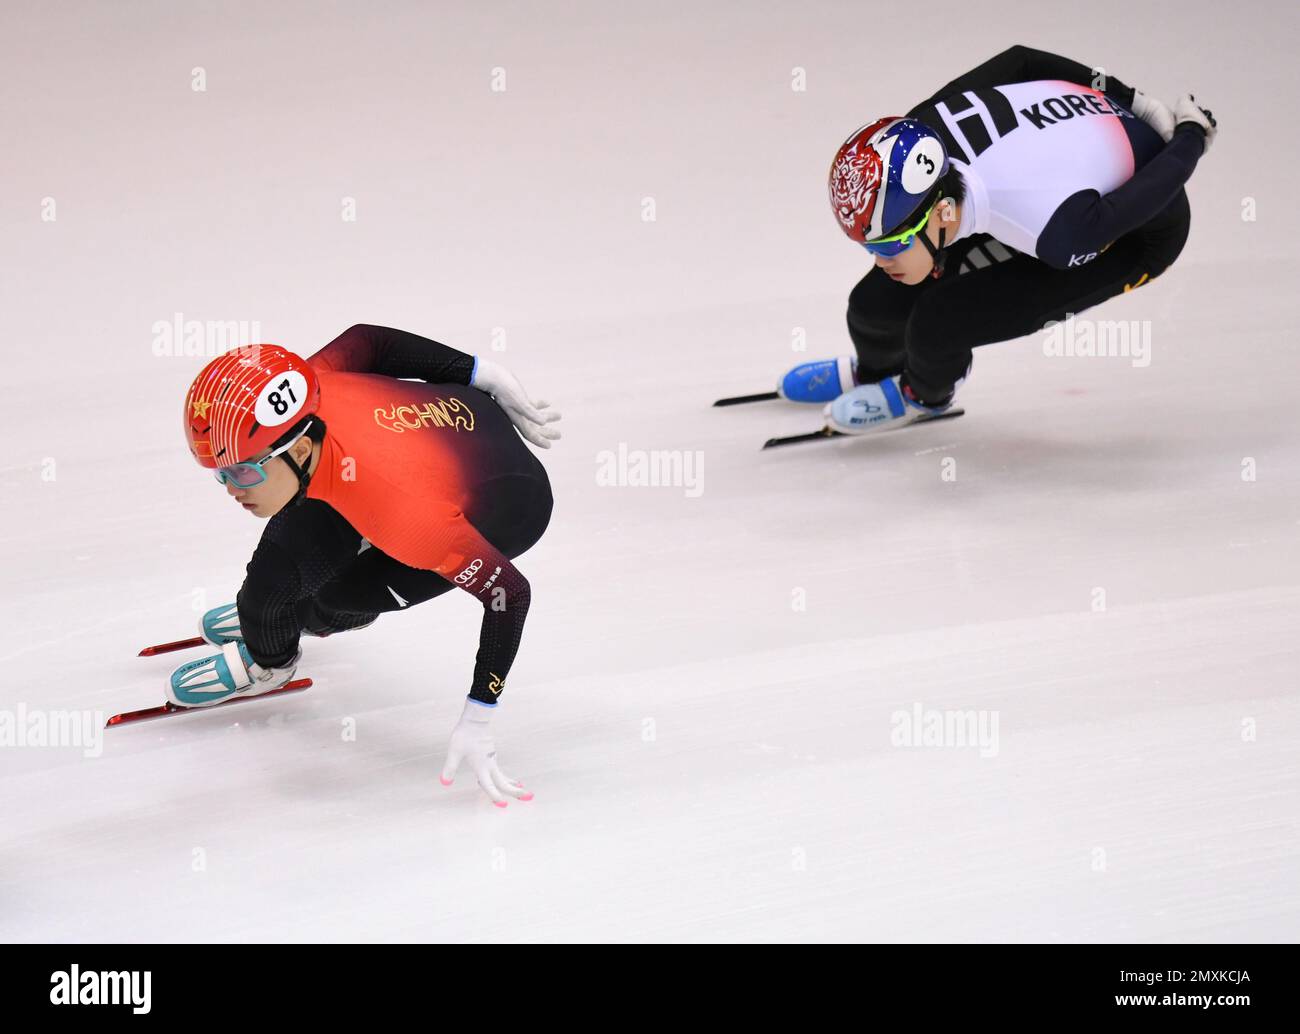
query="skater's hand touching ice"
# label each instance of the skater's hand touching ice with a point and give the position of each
(535, 420)
(471, 742)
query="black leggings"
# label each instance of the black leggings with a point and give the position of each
(991, 293)
(312, 571)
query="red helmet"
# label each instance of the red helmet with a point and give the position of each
(246, 401)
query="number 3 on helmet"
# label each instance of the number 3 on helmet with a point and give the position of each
(884, 174)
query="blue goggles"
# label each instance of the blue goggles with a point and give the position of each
(253, 472)
(897, 243)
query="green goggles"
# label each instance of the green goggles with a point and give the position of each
(897, 243)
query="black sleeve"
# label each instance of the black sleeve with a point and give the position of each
(505, 609)
(1087, 221)
(1021, 64)
(394, 353)
(489, 576)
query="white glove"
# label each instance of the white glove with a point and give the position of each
(471, 741)
(1155, 114)
(1187, 110)
(525, 414)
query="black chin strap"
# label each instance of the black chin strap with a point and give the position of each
(304, 479)
(939, 254)
(300, 474)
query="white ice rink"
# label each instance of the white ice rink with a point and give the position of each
(706, 690)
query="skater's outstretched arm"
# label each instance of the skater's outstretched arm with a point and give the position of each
(437, 536)
(475, 565)
(490, 577)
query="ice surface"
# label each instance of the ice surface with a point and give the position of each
(706, 690)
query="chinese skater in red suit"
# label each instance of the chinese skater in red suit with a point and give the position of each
(379, 493)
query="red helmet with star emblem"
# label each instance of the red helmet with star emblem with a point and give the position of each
(246, 401)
